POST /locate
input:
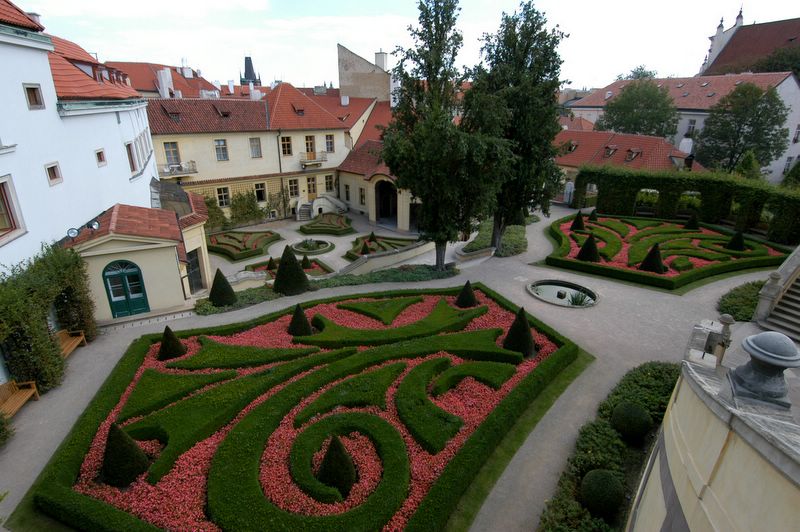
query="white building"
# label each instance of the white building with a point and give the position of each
(74, 137)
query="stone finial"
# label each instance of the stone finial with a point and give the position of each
(768, 296)
(771, 353)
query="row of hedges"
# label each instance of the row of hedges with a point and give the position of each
(328, 224)
(616, 443)
(53, 493)
(618, 189)
(240, 252)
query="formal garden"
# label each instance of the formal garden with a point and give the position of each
(351, 413)
(240, 245)
(328, 223)
(311, 266)
(372, 243)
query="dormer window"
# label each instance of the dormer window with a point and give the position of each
(738, 82)
(222, 110)
(680, 85)
(704, 84)
(685, 94)
(632, 154)
(611, 149)
(572, 146)
(175, 116)
(710, 94)
(299, 111)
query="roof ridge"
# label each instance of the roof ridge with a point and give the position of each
(112, 224)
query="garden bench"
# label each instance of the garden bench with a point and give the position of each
(13, 395)
(69, 341)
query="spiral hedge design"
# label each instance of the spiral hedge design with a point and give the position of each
(239, 245)
(418, 391)
(689, 254)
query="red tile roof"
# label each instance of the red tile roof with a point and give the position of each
(129, 220)
(604, 148)
(241, 91)
(695, 93)
(347, 114)
(14, 16)
(366, 160)
(754, 42)
(575, 123)
(199, 212)
(309, 91)
(143, 78)
(290, 109)
(180, 115)
(72, 83)
(381, 115)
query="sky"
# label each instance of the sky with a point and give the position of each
(295, 41)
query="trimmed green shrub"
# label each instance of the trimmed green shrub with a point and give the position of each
(649, 385)
(692, 223)
(588, 251)
(217, 355)
(652, 262)
(271, 264)
(123, 460)
(290, 278)
(519, 337)
(736, 243)
(598, 446)
(466, 298)
(364, 248)
(593, 215)
(602, 493)
(632, 421)
(171, 347)
(305, 263)
(221, 294)
(577, 223)
(5, 430)
(681, 264)
(492, 374)
(372, 237)
(299, 325)
(383, 310)
(328, 223)
(741, 302)
(337, 469)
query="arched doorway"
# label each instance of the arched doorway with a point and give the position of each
(386, 203)
(125, 289)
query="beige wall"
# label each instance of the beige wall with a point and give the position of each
(360, 78)
(357, 182)
(194, 238)
(358, 127)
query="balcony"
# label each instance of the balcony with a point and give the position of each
(313, 158)
(171, 170)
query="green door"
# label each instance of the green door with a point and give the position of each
(125, 289)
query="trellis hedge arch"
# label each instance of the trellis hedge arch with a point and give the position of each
(617, 189)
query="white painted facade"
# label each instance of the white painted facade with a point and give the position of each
(68, 133)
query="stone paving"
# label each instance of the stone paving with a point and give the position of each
(630, 325)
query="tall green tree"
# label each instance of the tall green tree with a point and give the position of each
(514, 97)
(781, 60)
(446, 166)
(639, 72)
(643, 108)
(748, 166)
(748, 118)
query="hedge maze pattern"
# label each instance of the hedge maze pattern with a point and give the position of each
(418, 391)
(238, 245)
(328, 224)
(376, 244)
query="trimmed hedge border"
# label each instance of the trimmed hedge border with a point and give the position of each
(241, 255)
(319, 227)
(53, 493)
(557, 258)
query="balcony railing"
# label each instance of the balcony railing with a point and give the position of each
(310, 158)
(183, 168)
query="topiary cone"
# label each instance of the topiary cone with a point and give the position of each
(466, 298)
(692, 222)
(290, 279)
(123, 460)
(171, 347)
(372, 237)
(221, 294)
(305, 263)
(736, 243)
(577, 223)
(652, 262)
(519, 337)
(364, 248)
(593, 215)
(299, 325)
(588, 251)
(271, 264)
(337, 469)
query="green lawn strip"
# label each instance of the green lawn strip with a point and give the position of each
(613, 244)
(156, 390)
(496, 463)
(641, 223)
(617, 226)
(328, 224)
(430, 425)
(187, 422)
(664, 227)
(408, 273)
(365, 389)
(754, 249)
(216, 355)
(442, 318)
(638, 250)
(492, 374)
(514, 240)
(384, 310)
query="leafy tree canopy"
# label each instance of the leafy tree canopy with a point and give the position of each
(748, 166)
(639, 72)
(643, 108)
(749, 118)
(781, 60)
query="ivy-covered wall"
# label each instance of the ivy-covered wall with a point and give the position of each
(617, 189)
(55, 277)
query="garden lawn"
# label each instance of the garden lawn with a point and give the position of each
(513, 242)
(419, 392)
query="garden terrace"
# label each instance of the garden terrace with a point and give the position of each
(239, 245)
(236, 429)
(618, 189)
(328, 224)
(688, 254)
(317, 267)
(378, 245)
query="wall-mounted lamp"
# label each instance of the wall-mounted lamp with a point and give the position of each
(94, 225)
(72, 232)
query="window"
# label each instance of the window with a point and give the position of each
(632, 154)
(33, 93)
(788, 165)
(362, 196)
(100, 157)
(286, 145)
(610, 150)
(7, 223)
(311, 181)
(329, 143)
(221, 147)
(347, 192)
(796, 137)
(692, 125)
(261, 192)
(255, 148)
(223, 196)
(294, 188)
(171, 151)
(53, 174)
(328, 183)
(310, 144)
(131, 156)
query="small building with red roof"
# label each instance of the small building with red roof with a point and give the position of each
(154, 80)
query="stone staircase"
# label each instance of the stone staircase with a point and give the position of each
(785, 316)
(304, 213)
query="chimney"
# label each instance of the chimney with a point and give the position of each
(380, 59)
(199, 74)
(345, 100)
(250, 85)
(230, 86)
(37, 18)
(256, 95)
(178, 94)
(217, 84)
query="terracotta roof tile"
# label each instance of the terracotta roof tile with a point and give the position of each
(366, 160)
(290, 109)
(14, 16)
(129, 220)
(172, 116)
(754, 42)
(575, 123)
(199, 211)
(309, 91)
(348, 114)
(381, 115)
(696, 93)
(242, 91)
(143, 78)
